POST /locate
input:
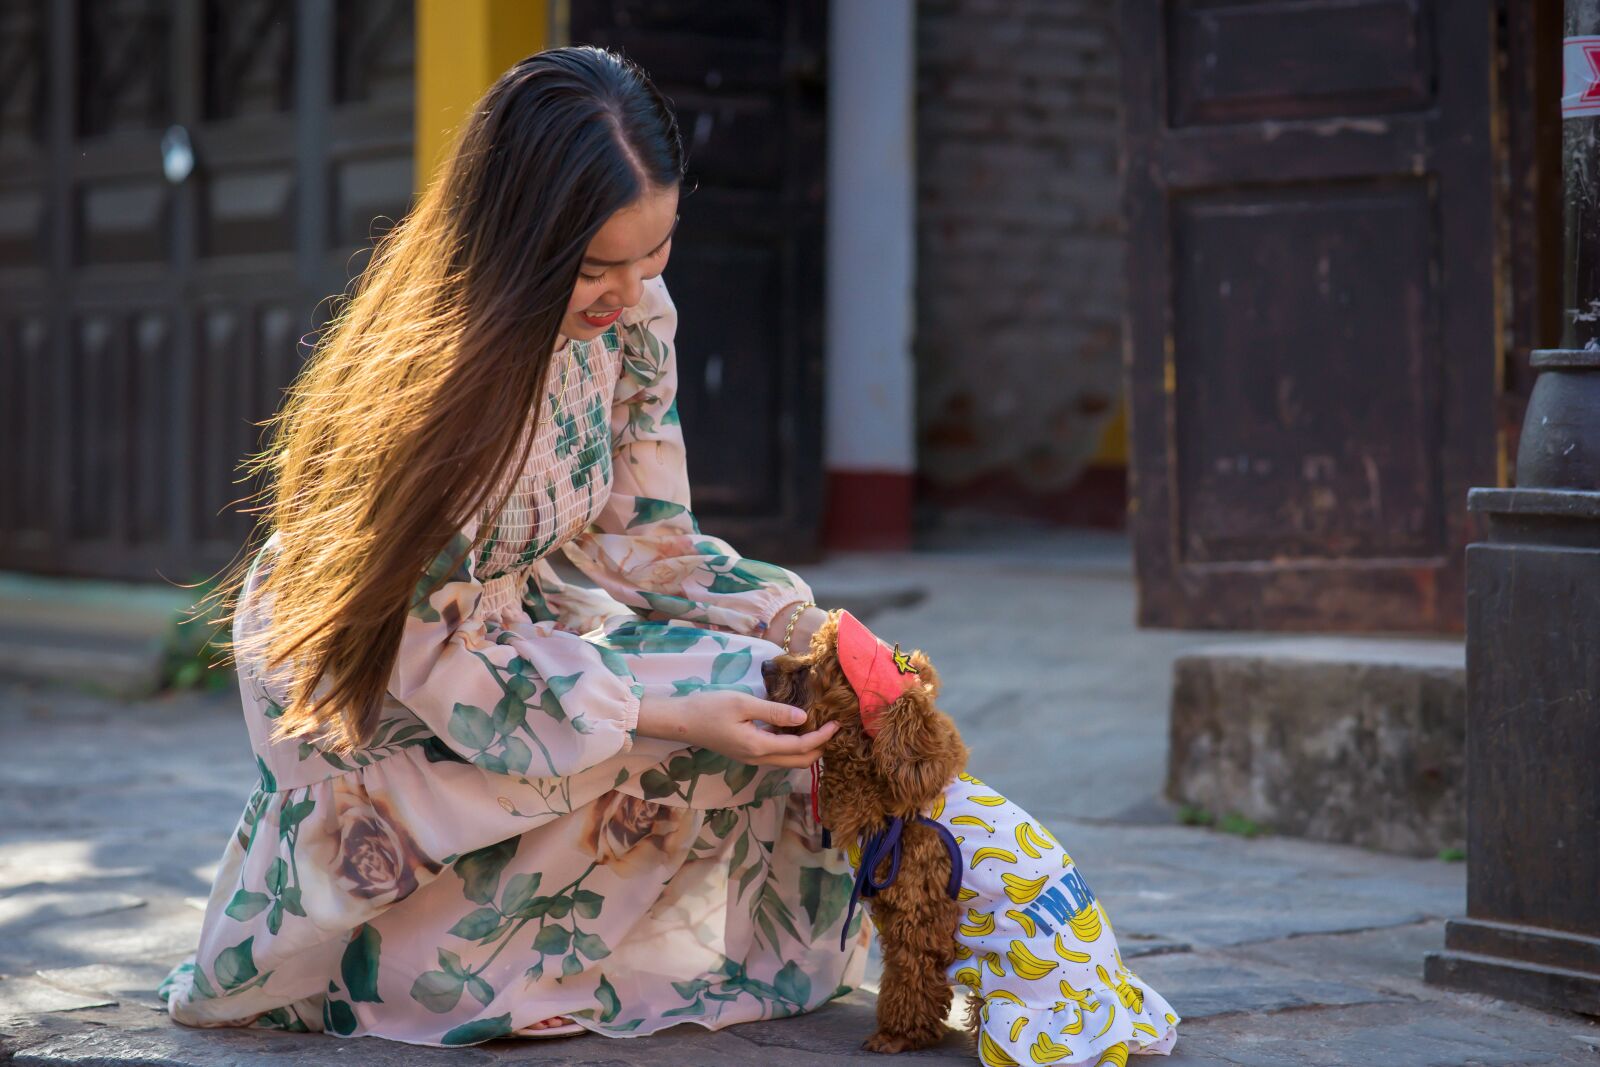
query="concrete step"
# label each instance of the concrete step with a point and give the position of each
(1356, 741)
(102, 637)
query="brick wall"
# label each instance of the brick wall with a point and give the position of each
(1019, 246)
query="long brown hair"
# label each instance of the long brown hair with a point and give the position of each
(411, 411)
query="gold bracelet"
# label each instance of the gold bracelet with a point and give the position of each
(788, 631)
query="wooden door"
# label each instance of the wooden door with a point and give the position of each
(152, 313)
(746, 81)
(1312, 328)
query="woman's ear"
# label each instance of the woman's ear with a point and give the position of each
(916, 751)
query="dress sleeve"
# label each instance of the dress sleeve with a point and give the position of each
(525, 698)
(646, 549)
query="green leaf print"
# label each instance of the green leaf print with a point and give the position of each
(571, 966)
(690, 990)
(477, 925)
(648, 509)
(654, 636)
(792, 984)
(291, 901)
(587, 903)
(739, 775)
(480, 989)
(697, 1008)
(610, 1006)
(293, 815)
(448, 565)
(478, 1030)
(562, 684)
(277, 875)
(591, 945)
(774, 784)
(246, 905)
(729, 667)
(268, 782)
(480, 871)
(202, 985)
(722, 820)
(275, 917)
(519, 891)
(237, 965)
(338, 1017)
(824, 895)
(552, 940)
(613, 662)
(471, 726)
(656, 784)
(517, 755)
(510, 712)
(359, 967)
(438, 991)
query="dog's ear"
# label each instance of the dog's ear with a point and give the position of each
(916, 751)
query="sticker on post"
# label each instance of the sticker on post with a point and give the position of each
(1580, 76)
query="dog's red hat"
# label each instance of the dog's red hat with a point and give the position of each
(877, 673)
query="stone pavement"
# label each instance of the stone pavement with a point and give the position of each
(1277, 952)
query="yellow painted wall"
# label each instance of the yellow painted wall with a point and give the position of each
(462, 47)
(1114, 442)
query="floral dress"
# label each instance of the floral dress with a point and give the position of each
(1036, 944)
(507, 848)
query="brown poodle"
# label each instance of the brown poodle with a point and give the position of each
(867, 783)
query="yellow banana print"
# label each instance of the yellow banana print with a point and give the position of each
(1022, 890)
(1024, 920)
(970, 820)
(1044, 1050)
(1111, 1015)
(1016, 1027)
(1077, 1022)
(990, 854)
(1116, 1055)
(854, 855)
(962, 951)
(992, 1054)
(1005, 994)
(978, 924)
(1068, 954)
(991, 960)
(965, 777)
(1079, 995)
(1086, 924)
(938, 807)
(969, 977)
(1132, 999)
(966, 893)
(1026, 964)
(1171, 1018)
(1145, 1028)
(988, 801)
(1029, 840)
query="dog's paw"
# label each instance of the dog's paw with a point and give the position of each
(889, 1043)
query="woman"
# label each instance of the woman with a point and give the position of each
(493, 801)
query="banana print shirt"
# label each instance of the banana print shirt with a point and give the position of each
(1036, 944)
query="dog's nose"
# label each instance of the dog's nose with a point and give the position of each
(769, 670)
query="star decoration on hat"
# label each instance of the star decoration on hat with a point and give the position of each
(902, 662)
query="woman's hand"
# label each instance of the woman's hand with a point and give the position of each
(725, 721)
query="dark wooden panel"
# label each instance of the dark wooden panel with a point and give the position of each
(746, 81)
(1297, 59)
(162, 321)
(1306, 401)
(1299, 461)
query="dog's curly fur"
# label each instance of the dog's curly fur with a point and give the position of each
(866, 782)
